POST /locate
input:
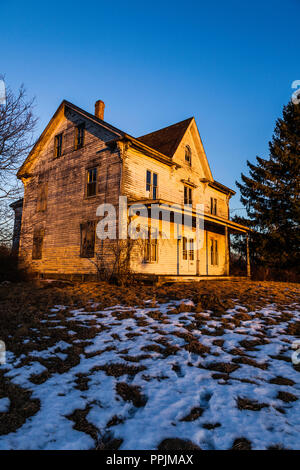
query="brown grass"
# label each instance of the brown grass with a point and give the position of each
(241, 444)
(22, 406)
(194, 414)
(287, 397)
(281, 381)
(131, 393)
(247, 404)
(177, 444)
(117, 370)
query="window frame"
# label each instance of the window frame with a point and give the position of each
(151, 246)
(58, 149)
(94, 182)
(213, 205)
(79, 142)
(84, 253)
(153, 188)
(188, 151)
(184, 248)
(188, 198)
(37, 249)
(42, 198)
(214, 252)
(191, 249)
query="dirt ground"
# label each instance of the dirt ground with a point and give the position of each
(28, 324)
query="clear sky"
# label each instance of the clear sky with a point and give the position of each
(230, 64)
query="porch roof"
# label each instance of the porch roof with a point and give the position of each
(234, 227)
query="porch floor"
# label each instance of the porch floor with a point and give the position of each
(164, 278)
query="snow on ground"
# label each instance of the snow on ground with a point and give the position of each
(224, 390)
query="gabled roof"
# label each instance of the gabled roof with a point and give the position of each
(161, 144)
(166, 140)
(47, 129)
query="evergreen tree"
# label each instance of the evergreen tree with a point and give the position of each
(271, 195)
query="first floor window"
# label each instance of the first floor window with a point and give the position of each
(58, 145)
(37, 245)
(87, 239)
(184, 248)
(91, 182)
(188, 249)
(213, 206)
(151, 249)
(191, 249)
(188, 195)
(214, 257)
(151, 184)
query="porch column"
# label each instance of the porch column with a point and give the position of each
(248, 257)
(226, 252)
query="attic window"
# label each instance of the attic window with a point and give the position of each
(188, 155)
(58, 145)
(79, 136)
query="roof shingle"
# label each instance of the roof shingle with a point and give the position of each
(166, 140)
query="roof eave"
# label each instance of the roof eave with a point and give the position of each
(146, 149)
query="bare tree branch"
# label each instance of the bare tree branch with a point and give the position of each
(17, 125)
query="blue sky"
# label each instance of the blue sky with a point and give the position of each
(230, 64)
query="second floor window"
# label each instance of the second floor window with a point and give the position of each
(42, 197)
(213, 206)
(79, 136)
(188, 195)
(214, 256)
(58, 145)
(91, 182)
(151, 184)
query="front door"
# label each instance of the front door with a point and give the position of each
(188, 255)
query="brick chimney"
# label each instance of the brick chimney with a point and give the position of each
(99, 109)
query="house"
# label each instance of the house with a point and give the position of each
(81, 162)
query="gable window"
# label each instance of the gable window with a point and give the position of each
(151, 184)
(58, 145)
(37, 245)
(41, 205)
(188, 195)
(214, 256)
(188, 155)
(87, 239)
(213, 206)
(91, 182)
(79, 136)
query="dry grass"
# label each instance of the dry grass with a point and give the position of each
(241, 444)
(247, 404)
(25, 310)
(194, 414)
(177, 444)
(131, 393)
